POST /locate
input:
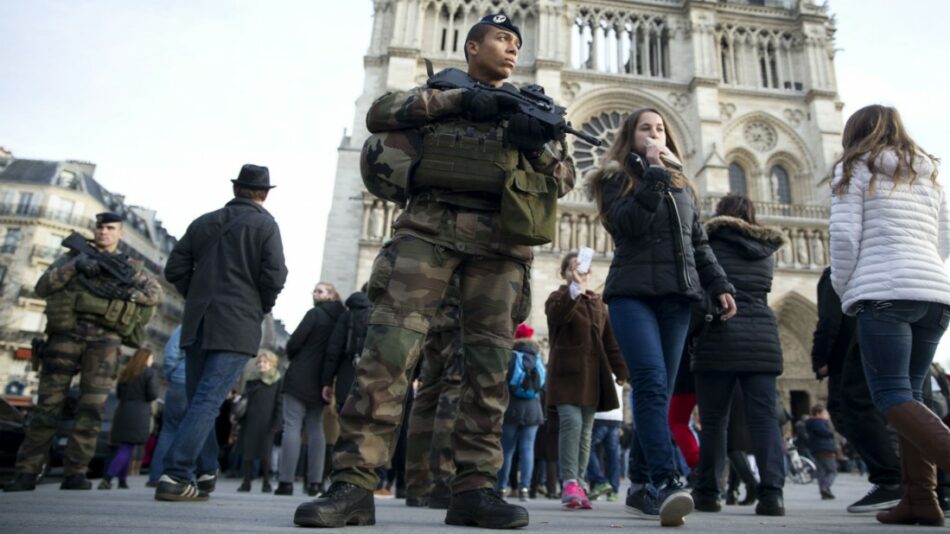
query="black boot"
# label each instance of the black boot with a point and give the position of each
(75, 482)
(440, 496)
(22, 482)
(284, 488)
(313, 489)
(417, 502)
(750, 491)
(771, 505)
(343, 504)
(486, 509)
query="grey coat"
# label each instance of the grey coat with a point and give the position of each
(229, 283)
(132, 420)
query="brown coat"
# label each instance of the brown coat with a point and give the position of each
(583, 352)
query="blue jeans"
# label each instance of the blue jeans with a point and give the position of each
(176, 404)
(608, 434)
(651, 333)
(209, 376)
(523, 437)
(898, 339)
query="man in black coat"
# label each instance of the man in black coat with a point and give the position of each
(230, 268)
(835, 354)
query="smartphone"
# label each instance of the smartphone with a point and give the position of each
(584, 257)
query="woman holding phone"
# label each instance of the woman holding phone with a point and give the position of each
(662, 263)
(584, 358)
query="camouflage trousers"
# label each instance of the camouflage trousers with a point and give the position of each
(429, 456)
(407, 285)
(94, 353)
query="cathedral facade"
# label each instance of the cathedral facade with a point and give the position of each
(748, 89)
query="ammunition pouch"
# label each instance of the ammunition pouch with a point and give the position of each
(528, 206)
(128, 319)
(464, 157)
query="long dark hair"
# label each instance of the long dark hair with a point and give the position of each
(738, 206)
(617, 153)
(135, 366)
(868, 132)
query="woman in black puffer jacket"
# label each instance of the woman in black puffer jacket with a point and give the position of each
(744, 350)
(661, 263)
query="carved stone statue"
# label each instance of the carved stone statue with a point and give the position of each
(564, 241)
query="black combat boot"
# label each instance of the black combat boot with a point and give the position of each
(343, 504)
(486, 509)
(75, 482)
(284, 488)
(417, 502)
(440, 496)
(22, 482)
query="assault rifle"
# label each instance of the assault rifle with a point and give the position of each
(529, 100)
(118, 280)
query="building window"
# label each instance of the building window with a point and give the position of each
(621, 43)
(736, 179)
(26, 202)
(782, 186)
(10, 241)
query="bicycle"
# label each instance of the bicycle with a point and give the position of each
(799, 469)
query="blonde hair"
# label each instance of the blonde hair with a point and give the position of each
(622, 146)
(267, 355)
(334, 294)
(870, 131)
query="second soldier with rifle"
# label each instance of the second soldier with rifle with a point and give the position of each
(97, 299)
(484, 188)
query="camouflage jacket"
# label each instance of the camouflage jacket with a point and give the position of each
(468, 231)
(147, 291)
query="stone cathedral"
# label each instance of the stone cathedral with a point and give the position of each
(748, 89)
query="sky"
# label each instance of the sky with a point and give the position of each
(170, 98)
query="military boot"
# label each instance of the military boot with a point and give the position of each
(486, 509)
(22, 482)
(75, 482)
(343, 504)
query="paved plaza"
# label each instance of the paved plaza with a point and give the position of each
(50, 510)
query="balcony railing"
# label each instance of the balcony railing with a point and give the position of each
(775, 210)
(48, 254)
(27, 292)
(42, 212)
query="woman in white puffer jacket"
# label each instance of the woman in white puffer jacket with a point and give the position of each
(890, 236)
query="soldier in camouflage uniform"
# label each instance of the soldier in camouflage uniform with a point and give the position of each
(84, 337)
(430, 463)
(441, 231)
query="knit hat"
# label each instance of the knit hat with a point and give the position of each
(524, 331)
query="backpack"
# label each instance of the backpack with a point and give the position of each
(356, 327)
(526, 375)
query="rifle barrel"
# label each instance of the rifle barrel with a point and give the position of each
(588, 138)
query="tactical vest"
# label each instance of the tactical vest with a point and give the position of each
(66, 307)
(464, 157)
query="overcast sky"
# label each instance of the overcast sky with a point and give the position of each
(169, 98)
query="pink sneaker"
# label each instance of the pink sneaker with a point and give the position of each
(571, 496)
(585, 502)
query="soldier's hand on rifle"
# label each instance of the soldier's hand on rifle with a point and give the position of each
(88, 266)
(479, 106)
(525, 132)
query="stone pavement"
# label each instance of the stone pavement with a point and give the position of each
(50, 510)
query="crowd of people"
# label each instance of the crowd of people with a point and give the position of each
(429, 383)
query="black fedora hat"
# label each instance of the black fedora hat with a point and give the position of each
(254, 177)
